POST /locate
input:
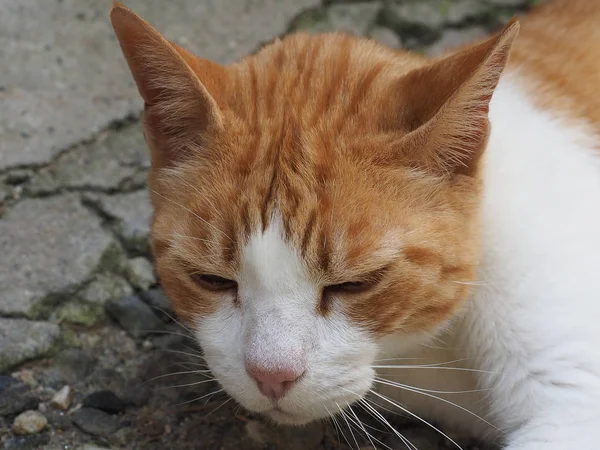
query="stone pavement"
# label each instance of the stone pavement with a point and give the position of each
(74, 213)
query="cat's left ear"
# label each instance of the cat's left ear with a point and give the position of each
(448, 104)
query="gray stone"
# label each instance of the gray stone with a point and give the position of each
(61, 84)
(95, 422)
(108, 162)
(49, 247)
(28, 442)
(105, 287)
(140, 273)
(105, 401)
(69, 367)
(29, 422)
(131, 215)
(425, 14)
(454, 38)
(460, 11)
(159, 302)
(22, 340)
(87, 306)
(385, 36)
(354, 18)
(134, 316)
(15, 397)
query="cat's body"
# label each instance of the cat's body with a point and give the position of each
(532, 321)
(327, 206)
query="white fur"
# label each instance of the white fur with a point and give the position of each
(530, 334)
(276, 326)
(533, 326)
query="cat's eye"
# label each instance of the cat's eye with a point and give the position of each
(213, 282)
(348, 287)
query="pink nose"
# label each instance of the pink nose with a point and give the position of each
(274, 384)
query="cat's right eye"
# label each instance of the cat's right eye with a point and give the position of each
(213, 282)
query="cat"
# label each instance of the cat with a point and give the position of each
(327, 207)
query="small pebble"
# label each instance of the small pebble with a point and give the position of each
(62, 399)
(29, 422)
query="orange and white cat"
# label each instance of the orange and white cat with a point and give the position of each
(327, 206)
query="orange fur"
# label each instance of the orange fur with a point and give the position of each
(369, 155)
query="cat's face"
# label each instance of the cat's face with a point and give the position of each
(310, 201)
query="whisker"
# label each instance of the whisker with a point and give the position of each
(431, 367)
(219, 407)
(195, 215)
(199, 372)
(335, 421)
(418, 391)
(472, 283)
(179, 352)
(210, 394)
(361, 426)
(186, 385)
(395, 383)
(397, 405)
(385, 422)
(349, 427)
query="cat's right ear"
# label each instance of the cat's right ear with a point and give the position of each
(174, 84)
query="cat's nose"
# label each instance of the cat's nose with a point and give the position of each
(274, 383)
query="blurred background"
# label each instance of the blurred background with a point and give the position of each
(84, 327)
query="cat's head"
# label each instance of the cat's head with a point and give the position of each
(310, 201)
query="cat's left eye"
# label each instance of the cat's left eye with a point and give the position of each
(213, 282)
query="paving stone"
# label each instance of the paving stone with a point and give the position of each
(114, 157)
(454, 38)
(79, 70)
(48, 247)
(386, 37)
(134, 316)
(21, 340)
(105, 287)
(132, 215)
(355, 17)
(140, 273)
